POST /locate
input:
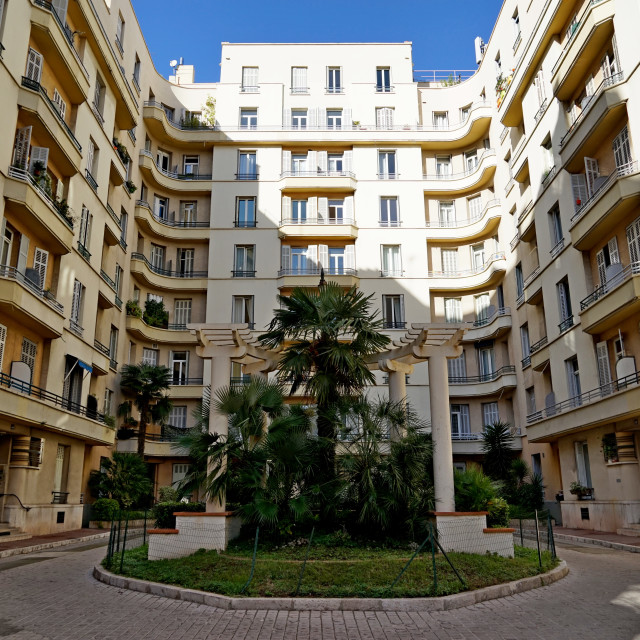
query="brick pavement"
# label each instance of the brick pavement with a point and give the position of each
(55, 597)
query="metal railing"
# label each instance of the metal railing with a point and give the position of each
(487, 153)
(323, 221)
(599, 393)
(236, 381)
(174, 174)
(25, 176)
(449, 224)
(245, 224)
(541, 110)
(567, 323)
(315, 271)
(103, 349)
(15, 384)
(36, 86)
(391, 273)
(523, 214)
(454, 76)
(168, 222)
(334, 89)
(455, 125)
(613, 283)
(83, 251)
(91, 180)
(247, 176)
(119, 45)
(319, 173)
(624, 170)
(483, 322)
(393, 324)
(75, 327)
(546, 177)
(248, 88)
(113, 215)
(485, 377)
(531, 277)
(180, 381)
(468, 272)
(243, 273)
(167, 272)
(299, 89)
(536, 346)
(11, 273)
(178, 125)
(514, 242)
(59, 497)
(107, 279)
(467, 436)
(557, 248)
(526, 361)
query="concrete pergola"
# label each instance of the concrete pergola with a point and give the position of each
(434, 343)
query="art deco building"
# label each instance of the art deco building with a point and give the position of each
(507, 198)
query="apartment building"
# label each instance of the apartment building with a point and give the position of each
(506, 199)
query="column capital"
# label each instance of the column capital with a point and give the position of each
(261, 366)
(447, 351)
(388, 366)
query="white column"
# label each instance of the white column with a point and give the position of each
(397, 387)
(441, 432)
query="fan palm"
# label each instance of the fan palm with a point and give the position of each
(498, 452)
(146, 384)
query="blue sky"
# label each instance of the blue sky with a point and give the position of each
(442, 32)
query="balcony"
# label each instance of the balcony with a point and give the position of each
(166, 129)
(470, 443)
(539, 354)
(184, 183)
(152, 275)
(169, 228)
(492, 327)
(55, 40)
(100, 359)
(607, 208)
(318, 180)
(485, 275)
(157, 445)
(612, 303)
(172, 334)
(318, 228)
(586, 40)
(29, 304)
(459, 134)
(471, 179)
(613, 402)
(48, 219)
(25, 404)
(288, 278)
(470, 229)
(186, 388)
(499, 381)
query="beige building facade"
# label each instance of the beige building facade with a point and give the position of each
(506, 199)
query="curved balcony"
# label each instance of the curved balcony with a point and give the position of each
(499, 381)
(318, 181)
(188, 183)
(29, 304)
(288, 278)
(168, 229)
(470, 229)
(454, 136)
(318, 228)
(469, 180)
(156, 446)
(38, 211)
(470, 443)
(494, 326)
(485, 276)
(173, 334)
(186, 388)
(153, 276)
(166, 130)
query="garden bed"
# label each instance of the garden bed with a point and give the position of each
(332, 571)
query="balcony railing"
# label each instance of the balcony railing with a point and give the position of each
(318, 174)
(247, 176)
(114, 217)
(557, 248)
(451, 224)
(179, 125)
(315, 271)
(523, 214)
(15, 384)
(180, 381)
(468, 272)
(240, 380)
(462, 174)
(541, 110)
(107, 279)
(583, 207)
(486, 377)
(171, 222)
(75, 327)
(599, 393)
(169, 434)
(168, 272)
(243, 273)
(174, 174)
(83, 251)
(536, 346)
(36, 86)
(91, 180)
(483, 322)
(393, 324)
(391, 273)
(103, 349)
(57, 207)
(11, 273)
(526, 361)
(323, 221)
(250, 88)
(245, 224)
(59, 497)
(514, 242)
(531, 277)
(474, 435)
(548, 175)
(567, 323)
(384, 88)
(614, 282)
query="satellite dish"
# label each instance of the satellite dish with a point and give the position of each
(173, 63)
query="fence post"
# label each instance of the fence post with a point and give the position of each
(119, 528)
(446, 557)
(144, 528)
(109, 547)
(124, 544)
(304, 564)
(406, 566)
(538, 540)
(433, 560)
(253, 562)
(521, 535)
(552, 542)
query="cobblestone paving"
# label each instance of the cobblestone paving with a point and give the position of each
(56, 598)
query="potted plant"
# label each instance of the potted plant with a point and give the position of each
(122, 151)
(580, 490)
(130, 187)
(133, 309)
(610, 448)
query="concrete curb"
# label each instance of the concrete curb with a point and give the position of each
(18, 551)
(443, 603)
(618, 546)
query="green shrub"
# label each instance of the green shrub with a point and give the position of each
(473, 490)
(498, 513)
(163, 512)
(168, 494)
(105, 509)
(155, 315)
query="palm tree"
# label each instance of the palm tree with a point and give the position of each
(123, 477)
(498, 452)
(147, 384)
(326, 334)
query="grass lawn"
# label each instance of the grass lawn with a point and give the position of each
(332, 571)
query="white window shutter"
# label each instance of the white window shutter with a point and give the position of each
(602, 267)
(579, 186)
(348, 160)
(591, 173)
(346, 118)
(590, 86)
(34, 65)
(312, 208)
(323, 255)
(350, 256)
(633, 239)
(38, 154)
(323, 210)
(312, 162)
(312, 117)
(604, 369)
(312, 257)
(348, 209)
(286, 208)
(21, 149)
(622, 150)
(23, 252)
(286, 118)
(60, 7)
(614, 254)
(286, 161)
(59, 103)
(60, 190)
(322, 161)
(3, 339)
(322, 118)
(285, 257)
(40, 262)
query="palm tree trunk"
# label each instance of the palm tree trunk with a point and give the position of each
(142, 433)
(327, 432)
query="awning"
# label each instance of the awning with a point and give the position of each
(73, 361)
(85, 366)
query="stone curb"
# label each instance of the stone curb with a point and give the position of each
(7, 553)
(618, 546)
(443, 603)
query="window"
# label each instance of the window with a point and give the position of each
(248, 118)
(299, 164)
(191, 165)
(464, 112)
(86, 222)
(188, 213)
(387, 165)
(391, 260)
(98, 98)
(460, 425)
(5, 248)
(124, 220)
(299, 211)
(393, 311)
(474, 206)
(498, 63)
(113, 347)
(457, 368)
(298, 118)
(181, 313)
(28, 355)
(170, 112)
(519, 280)
(583, 468)
(447, 213)
(335, 209)
(633, 240)
(384, 118)
(389, 212)
(178, 418)
(108, 401)
(622, 151)
(150, 356)
(334, 80)
(249, 80)
(337, 260)
(556, 225)
(609, 63)
(179, 367)
(154, 297)
(77, 306)
(541, 92)
(336, 164)
(515, 21)
(242, 310)
(180, 471)
(440, 119)
(383, 80)
(59, 103)
(247, 167)
(299, 259)
(186, 259)
(157, 256)
(470, 160)
(334, 118)
(40, 264)
(564, 305)
(477, 256)
(136, 73)
(161, 207)
(604, 367)
(482, 303)
(34, 65)
(525, 344)
(452, 310)
(299, 80)
(120, 33)
(92, 158)
(449, 261)
(547, 156)
(530, 395)
(490, 413)
(573, 380)
(443, 166)
(244, 266)
(486, 362)
(245, 212)
(36, 451)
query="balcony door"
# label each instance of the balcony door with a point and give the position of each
(180, 367)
